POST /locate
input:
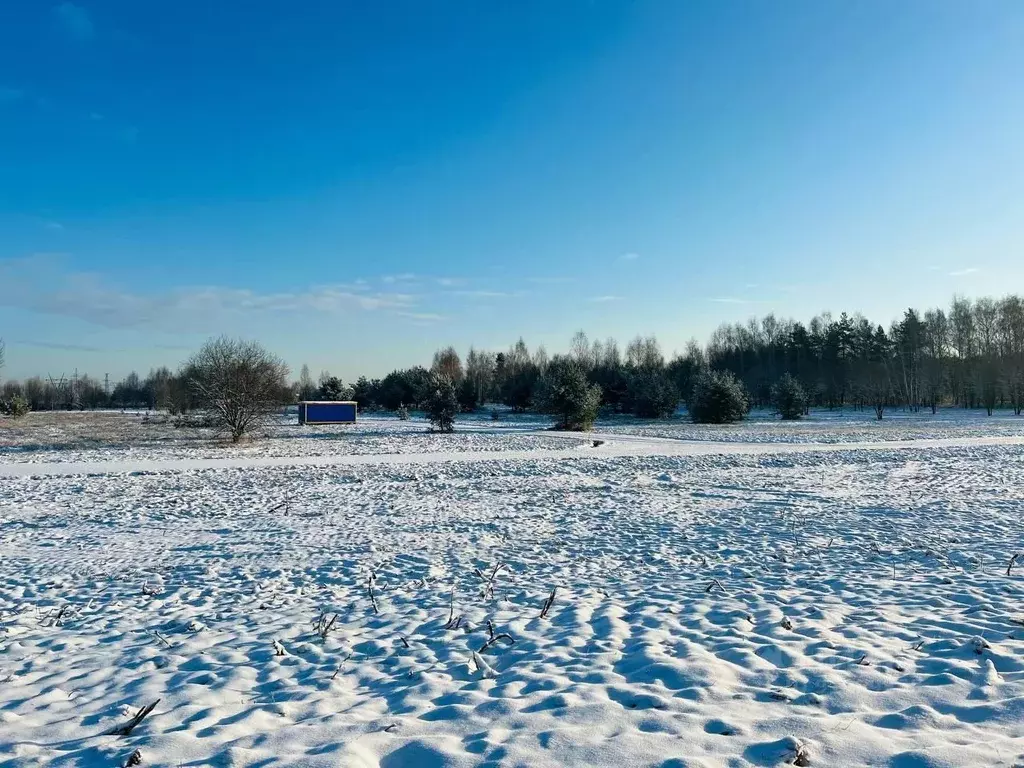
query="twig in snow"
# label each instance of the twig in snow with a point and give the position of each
(454, 622)
(488, 588)
(404, 641)
(548, 603)
(135, 758)
(127, 728)
(495, 638)
(161, 638)
(340, 666)
(323, 626)
(714, 583)
(1009, 565)
(369, 589)
(58, 619)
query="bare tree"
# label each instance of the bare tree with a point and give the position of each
(480, 372)
(238, 382)
(447, 364)
(306, 388)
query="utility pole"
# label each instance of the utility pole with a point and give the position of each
(106, 385)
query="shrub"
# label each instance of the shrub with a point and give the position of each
(14, 406)
(789, 397)
(565, 392)
(238, 383)
(718, 398)
(442, 404)
(652, 395)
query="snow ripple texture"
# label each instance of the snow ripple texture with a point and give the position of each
(839, 608)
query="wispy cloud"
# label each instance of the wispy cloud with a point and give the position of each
(550, 280)
(481, 294)
(964, 272)
(37, 284)
(730, 300)
(629, 256)
(55, 345)
(450, 282)
(75, 21)
(424, 317)
(604, 299)
(405, 277)
(10, 95)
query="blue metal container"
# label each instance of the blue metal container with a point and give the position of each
(327, 412)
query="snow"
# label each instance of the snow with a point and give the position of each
(717, 602)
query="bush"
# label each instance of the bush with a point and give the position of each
(564, 391)
(238, 383)
(718, 398)
(14, 406)
(789, 397)
(442, 404)
(652, 395)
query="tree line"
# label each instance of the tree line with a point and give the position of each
(969, 355)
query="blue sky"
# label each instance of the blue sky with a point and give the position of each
(356, 184)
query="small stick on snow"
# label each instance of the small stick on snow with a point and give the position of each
(404, 641)
(495, 638)
(135, 758)
(453, 621)
(714, 583)
(340, 666)
(130, 726)
(1009, 565)
(373, 600)
(161, 638)
(548, 603)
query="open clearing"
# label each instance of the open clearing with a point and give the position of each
(731, 597)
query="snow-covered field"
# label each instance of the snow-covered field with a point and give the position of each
(137, 437)
(847, 605)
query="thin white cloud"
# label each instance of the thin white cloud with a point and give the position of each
(75, 21)
(425, 317)
(629, 256)
(550, 280)
(730, 300)
(481, 294)
(450, 282)
(404, 277)
(55, 345)
(37, 284)
(604, 299)
(964, 272)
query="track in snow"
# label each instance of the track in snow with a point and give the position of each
(614, 446)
